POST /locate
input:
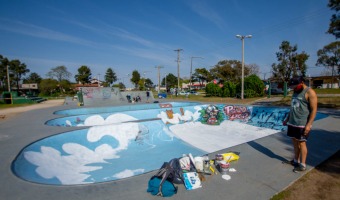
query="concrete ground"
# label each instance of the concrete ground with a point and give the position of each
(259, 175)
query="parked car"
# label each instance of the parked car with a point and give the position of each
(276, 91)
(183, 93)
(193, 92)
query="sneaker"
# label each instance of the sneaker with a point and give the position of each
(291, 162)
(299, 168)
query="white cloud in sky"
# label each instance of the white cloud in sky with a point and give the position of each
(207, 12)
(41, 32)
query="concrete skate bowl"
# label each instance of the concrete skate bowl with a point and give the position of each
(120, 142)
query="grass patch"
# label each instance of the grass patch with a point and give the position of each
(329, 102)
(323, 102)
(282, 195)
(327, 91)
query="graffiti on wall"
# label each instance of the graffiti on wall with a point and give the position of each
(211, 115)
(257, 116)
(94, 92)
(237, 112)
(269, 117)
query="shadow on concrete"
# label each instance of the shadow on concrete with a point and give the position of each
(265, 150)
(321, 145)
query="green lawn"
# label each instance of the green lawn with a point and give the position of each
(327, 91)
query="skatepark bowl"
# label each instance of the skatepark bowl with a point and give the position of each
(112, 143)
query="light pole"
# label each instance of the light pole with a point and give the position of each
(165, 83)
(178, 61)
(242, 81)
(159, 76)
(192, 57)
(8, 82)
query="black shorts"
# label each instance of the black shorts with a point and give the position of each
(297, 133)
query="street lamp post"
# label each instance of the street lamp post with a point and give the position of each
(165, 83)
(8, 82)
(192, 57)
(242, 81)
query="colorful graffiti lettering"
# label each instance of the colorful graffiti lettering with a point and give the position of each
(269, 118)
(237, 112)
(88, 92)
(165, 105)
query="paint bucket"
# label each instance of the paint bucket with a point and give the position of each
(199, 164)
(223, 166)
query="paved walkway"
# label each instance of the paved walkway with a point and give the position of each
(259, 175)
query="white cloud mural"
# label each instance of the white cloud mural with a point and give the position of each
(71, 168)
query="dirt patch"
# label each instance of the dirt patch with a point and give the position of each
(322, 182)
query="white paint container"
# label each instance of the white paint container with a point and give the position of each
(199, 163)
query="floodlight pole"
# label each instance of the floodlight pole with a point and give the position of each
(8, 82)
(178, 61)
(242, 81)
(159, 77)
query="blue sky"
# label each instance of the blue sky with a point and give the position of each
(129, 35)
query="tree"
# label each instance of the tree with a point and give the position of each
(290, 62)
(18, 70)
(3, 71)
(300, 61)
(48, 86)
(33, 78)
(253, 69)
(65, 86)
(201, 75)
(135, 78)
(60, 73)
(329, 57)
(334, 26)
(84, 75)
(120, 85)
(110, 76)
(171, 81)
(228, 70)
(148, 83)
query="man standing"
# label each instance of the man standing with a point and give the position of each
(300, 119)
(147, 96)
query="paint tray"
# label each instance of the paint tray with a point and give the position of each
(230, 156)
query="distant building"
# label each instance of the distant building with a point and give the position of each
(194, 85)
(325, 81)
(313, 82)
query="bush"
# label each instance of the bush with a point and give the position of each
(213, 90)
(248, 93)
(254, 85)
(229, 89)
